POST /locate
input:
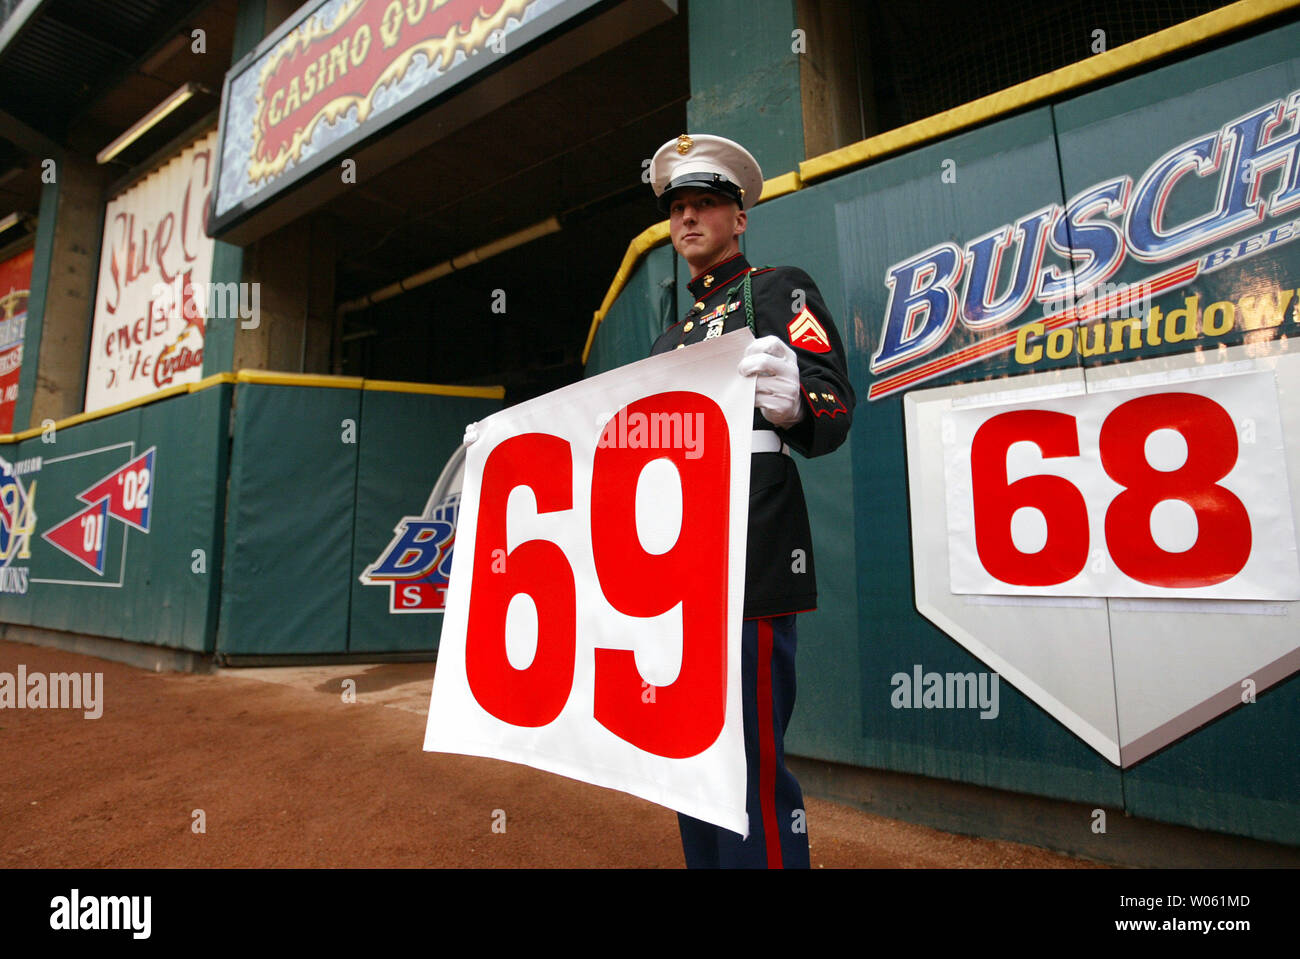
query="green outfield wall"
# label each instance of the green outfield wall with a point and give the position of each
(230, 518)
(145, 564)
(320, 476)
(1187, 175)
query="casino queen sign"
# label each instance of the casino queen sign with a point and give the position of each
(338, 72)
(1091, 238)
(320, 72)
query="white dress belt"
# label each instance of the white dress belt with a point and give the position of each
(766, 441)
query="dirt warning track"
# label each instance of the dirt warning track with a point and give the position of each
(273, 768)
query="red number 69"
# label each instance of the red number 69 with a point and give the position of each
(680, 719)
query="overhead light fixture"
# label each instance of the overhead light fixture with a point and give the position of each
(17, 218)
(148, 121)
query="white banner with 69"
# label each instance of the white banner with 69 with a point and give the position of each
(594, 610)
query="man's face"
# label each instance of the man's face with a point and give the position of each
(705, 226)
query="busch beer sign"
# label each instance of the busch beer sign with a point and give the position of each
(417, 563)
(1058, 260)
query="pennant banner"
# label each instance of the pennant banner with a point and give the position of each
(81, 536)
(128, 491)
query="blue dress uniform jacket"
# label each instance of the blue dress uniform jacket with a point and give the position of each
(779, 576)
(779, 573)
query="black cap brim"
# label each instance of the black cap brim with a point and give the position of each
(714, 182)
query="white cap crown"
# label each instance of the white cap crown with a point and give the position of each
(706, 162)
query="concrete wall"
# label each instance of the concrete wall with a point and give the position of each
(66, 265)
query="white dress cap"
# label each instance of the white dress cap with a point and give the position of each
(709, 163)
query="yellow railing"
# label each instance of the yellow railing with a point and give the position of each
(1076, 75)
(271, 378)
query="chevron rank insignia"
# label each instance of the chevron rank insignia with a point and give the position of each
(806, 333)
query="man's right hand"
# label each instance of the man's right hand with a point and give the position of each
(471, 435)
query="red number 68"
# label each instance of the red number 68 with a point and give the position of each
(1223, 538)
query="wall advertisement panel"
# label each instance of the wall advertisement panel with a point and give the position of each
(155, 274)
(15, 288)
(111, 527)
(1090, 350)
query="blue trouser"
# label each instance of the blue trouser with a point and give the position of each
(778, 836)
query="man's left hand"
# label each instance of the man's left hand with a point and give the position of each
(778, 394)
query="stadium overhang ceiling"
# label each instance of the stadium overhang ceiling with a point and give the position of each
(74, 74)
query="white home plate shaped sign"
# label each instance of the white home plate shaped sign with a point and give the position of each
(1119, 545)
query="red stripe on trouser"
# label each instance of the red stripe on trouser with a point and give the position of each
(767, 747)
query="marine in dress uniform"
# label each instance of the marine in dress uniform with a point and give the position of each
(707, 184)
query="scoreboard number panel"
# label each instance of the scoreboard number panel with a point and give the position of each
(1120, 547)
(594, 607)
(1161, 491)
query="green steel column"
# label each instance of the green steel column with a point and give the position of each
(745, 78)
(41, 258)
(228, 260)
(64, 270)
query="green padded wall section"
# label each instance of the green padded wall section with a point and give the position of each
(158, 587)
(406, 440)
(646, 306)
(287, 574)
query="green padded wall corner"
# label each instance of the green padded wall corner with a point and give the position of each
(406, 439)
(287, 568)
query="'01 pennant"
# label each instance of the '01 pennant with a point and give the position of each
(81, 536)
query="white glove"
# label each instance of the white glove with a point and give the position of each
(471, 435)
(778, 394)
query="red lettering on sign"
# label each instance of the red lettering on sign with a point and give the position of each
(1066, 550)
(685, 717)
(1223, 526)
(535, 695)
(680, 719)
(1223, 531)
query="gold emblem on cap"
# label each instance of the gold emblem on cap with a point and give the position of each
(684, 144)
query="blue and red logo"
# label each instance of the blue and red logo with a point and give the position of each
(125, 494)
(416, 565)
(17, 522)
(997, 278)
